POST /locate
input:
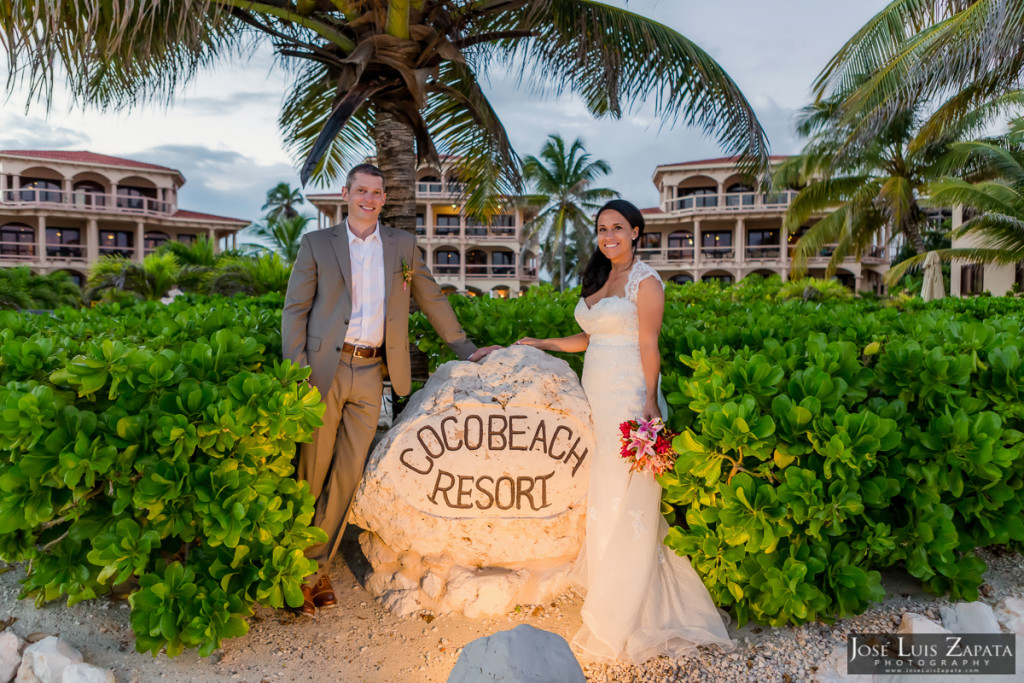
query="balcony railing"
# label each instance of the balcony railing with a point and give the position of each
(729, 202)
(77, 200)
(17, 251)
(433, 189)
(65, 252)
(474, 271)
(470, 232)
(684, 257)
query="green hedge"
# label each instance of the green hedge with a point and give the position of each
(824, 438)
(152, 445)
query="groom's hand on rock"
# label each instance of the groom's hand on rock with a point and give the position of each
(480, 354)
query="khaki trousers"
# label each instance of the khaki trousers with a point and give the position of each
(333, 463)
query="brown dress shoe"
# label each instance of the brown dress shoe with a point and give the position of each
(323, 593)
(308, 607)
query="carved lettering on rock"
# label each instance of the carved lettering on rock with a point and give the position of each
(482, 461)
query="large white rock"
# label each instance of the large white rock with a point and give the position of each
(522, 655)
(1010, 613)
(833, 669)
(970, 617)
(917, 624)
(45, 661)
(475, 500)
(10, 655)
(87, 673)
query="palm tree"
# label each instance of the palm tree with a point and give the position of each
(196, 261)
(21, 288)
(862, 185)
(402, 73)
(281, 234)
(150, 280)
(994, 194)
(917, 49)
(249, 275)
(282, 200)
(563, 179)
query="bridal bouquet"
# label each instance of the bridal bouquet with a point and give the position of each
(647, 445)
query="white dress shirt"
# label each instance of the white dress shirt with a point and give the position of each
(366, 324)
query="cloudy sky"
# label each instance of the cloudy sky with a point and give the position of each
(221, 132)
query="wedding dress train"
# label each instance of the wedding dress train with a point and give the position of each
(642, 600)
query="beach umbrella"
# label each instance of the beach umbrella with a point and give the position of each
(932, 287)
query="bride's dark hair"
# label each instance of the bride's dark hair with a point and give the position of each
(598, 268)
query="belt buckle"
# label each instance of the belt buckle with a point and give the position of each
(363, 351)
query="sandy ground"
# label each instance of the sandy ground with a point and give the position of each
(360, 641)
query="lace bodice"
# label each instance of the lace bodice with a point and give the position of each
(613, 319)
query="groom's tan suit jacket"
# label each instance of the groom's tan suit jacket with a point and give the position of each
(318, 305)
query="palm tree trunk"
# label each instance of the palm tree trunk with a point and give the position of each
(912, 231)
(561, 251)
(396, 158)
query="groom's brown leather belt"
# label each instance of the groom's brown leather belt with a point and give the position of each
(360, 351)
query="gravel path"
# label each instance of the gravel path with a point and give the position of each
(359, 641)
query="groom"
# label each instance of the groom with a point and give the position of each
(346, 315)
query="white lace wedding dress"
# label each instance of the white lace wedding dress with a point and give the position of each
(642, 600)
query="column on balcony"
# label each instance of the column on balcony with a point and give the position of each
(429, 216)
(519, 225)
(41, 239)
(140, 241)
(92, 240)
(784, 252)
(113, 196)
(337, 214)
(462, 257)
(211, 234)
(697, 244)
(741, 242)
(66, 195)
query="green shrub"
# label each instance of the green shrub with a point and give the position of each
(154, 444)
(20, 288)
(823, 440)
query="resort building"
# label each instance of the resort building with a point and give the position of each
(713, 224)
(63, 210)
(464, 255)
(972, 279)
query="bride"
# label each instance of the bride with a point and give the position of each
(642, 599)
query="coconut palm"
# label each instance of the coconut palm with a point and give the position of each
(400, 73)
(281, 234)
(563, 178)
(919, 49)
(282, 200)
(862, 185)
(995, 197)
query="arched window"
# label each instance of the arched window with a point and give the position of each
(697, 197)
(40, 190)
(682, 279)
(136, 198)
(650, 246)
(88, 193)
(501, 292)
(476, 262)
(64, 243)
(446, 262)
(680, 246)
(117, 243)
(739, 194)
(429, 184)
(154, 240)
(724, 278)
(17, 241)
(503, 262)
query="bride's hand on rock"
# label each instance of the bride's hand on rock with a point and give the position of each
(651, 409)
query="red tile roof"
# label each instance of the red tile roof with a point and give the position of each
(652, 209)
(85, 157)
(721, 160)
(195, 215)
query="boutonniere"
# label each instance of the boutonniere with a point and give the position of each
(406, 276)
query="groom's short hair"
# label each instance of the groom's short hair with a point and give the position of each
(365, 169)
